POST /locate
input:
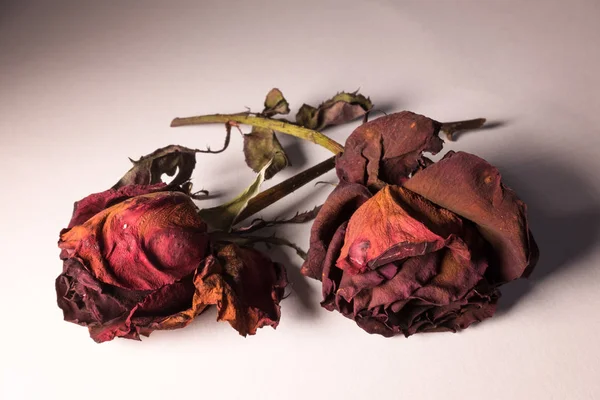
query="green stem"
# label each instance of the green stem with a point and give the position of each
(271, 195)
(262, 122)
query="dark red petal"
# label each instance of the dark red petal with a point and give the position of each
(332, 275)
(91, 205)
(388, 149)
(173, 306)
(470, 187)
(86, 301)
(142, 243)
(245, 286)
(252, 289)
(383, 231)
(338, 208)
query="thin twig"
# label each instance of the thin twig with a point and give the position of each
(450, 128)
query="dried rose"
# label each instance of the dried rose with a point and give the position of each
(138, 259)
(404, 245)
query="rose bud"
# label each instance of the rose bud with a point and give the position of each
(138, 259)
(404, 245)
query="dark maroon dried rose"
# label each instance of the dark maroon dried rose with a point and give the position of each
(138, 258)
(404, 245)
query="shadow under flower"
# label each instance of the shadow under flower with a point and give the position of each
(308, 297)
(564, 216)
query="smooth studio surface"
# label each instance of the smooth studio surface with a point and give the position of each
(84, 85)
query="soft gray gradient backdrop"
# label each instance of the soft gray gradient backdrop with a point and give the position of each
(86, 84)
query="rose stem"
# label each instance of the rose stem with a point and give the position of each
(450, 128)
(273, 194)
(268, 123)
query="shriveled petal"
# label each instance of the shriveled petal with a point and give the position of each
(91, 205)
(170, 307)
(472, 188)
(457, 273)
(246, 287)
(109, 311)
(340, 205)
(388, 149)
(393, 225)
(86, 301)
(142, 243)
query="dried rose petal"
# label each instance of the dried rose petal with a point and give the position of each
(91, 205)
(388, 149)
(472, 188)
(340, 205)
(246, 286)
(142, 243)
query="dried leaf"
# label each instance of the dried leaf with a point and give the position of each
(343, 107)
(275, 103)
(168, 160)
(224, 216)
(260, 147)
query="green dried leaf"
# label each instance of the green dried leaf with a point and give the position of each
(275, 103)
(224, 216)
(168, 160)
(261, 145)
(343, 107)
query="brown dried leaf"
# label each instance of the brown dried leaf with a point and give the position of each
(343, 107)
(168, 160)
(275, 103)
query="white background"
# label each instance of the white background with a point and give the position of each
(86, 84)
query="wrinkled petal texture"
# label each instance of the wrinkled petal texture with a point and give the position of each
(388, 149)
(132, 264)
(339, 207)
(404, 245)
(142, 243)
(91, 205)
(472, 188)
(246, 286)
(408, 266)
(109, 311)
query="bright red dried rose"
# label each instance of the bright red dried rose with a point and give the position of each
(404, 245)
(138, 259)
